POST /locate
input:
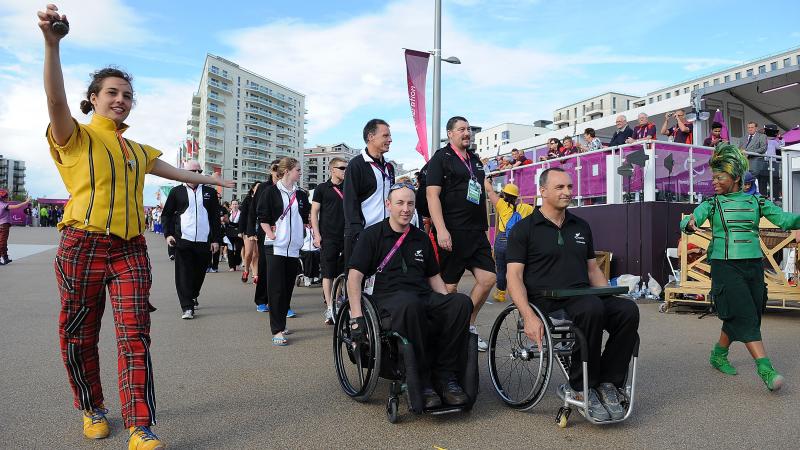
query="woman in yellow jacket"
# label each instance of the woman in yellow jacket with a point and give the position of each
(509, 210)
(102, 246)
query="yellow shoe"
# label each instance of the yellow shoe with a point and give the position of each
(500, 296)
(141, 438)
(95, 424)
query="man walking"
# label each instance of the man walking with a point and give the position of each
(457, 204)
(191, 223)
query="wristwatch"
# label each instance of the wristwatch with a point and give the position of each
(354, 323)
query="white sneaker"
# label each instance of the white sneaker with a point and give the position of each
(188, 314)
(306, 281)
(482, 345)
(329, 316)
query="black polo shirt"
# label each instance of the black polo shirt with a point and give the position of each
(407, 271)
(331, 212)
(548, 265)
(447, 170)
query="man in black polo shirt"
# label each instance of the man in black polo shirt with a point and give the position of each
(553, 249)
(408, 289)
(457, 205)
(327, 220)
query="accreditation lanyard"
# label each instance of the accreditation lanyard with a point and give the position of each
(291, 200)
(467, 162)
(391, 253)
(338, 192)
(381, 170)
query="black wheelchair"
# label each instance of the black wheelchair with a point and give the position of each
(390, 356)
(520, 372)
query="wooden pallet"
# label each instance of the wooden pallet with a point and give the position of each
(696, 276)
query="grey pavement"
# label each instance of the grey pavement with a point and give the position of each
(220, 384)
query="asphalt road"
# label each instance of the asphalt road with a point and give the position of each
(220, 384)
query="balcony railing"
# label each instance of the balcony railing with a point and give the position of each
(216, 97)
(219, 86)
(254, 145)
(219, 73)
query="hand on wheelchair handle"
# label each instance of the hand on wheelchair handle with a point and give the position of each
(359, 334)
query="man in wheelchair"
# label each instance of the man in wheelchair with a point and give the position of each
(553, 249)
(411, 297)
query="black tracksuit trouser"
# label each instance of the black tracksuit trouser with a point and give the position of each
(436, 325)
(191, 261)
(280, 277)
(260, 297)
(592, 315)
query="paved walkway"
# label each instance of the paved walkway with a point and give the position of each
(220, 384)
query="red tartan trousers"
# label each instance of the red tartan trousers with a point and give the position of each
(4, 229)
(85, 265)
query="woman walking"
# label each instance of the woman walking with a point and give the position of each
(284, 215)
(232, 233)
(737, 274)
(102, 246)
(248, 234)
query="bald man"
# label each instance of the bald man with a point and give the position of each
(192, 227)
(622, 133)
(644, 131)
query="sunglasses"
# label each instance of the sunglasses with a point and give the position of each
(342, 168)
(196, 171)
(404, 184)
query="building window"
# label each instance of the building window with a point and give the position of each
(716, 81)
(695, 87)
(749, 73)
(677, 92)
(727, 78)
(787, 62)
(505, 135)
(686, 90)
(737, 76)
(705, 83)
(650, 100)
(668, 94)
(762, 69)
(629, 105)
(773, 66)
(613, 102)
(658, 98)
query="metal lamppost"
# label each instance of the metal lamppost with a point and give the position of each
(437, 75)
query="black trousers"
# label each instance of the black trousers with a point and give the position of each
(436, 325)
(191, 261)
(280, 276)
(235, 255)
(260, 297)
(214, 260)
(592, 315)
(310, 263)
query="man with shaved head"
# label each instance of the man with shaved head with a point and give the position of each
(192, 226)
(622, 133)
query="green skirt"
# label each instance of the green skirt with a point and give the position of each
(740, 295)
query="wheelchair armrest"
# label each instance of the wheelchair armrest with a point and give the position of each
(605, 291)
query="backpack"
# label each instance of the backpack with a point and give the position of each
(515, 217)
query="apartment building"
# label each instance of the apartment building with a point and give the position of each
(602, 105)
(241, 121)
(12, 175)
(316, 161)
(489, 140)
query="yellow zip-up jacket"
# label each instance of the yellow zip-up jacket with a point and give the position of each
(104, 175)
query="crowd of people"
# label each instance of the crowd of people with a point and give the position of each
(361, 222)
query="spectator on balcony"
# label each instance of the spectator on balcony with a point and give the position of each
(553, 149)
(519, 158)
(681, 133)
(715, 137)
(590, 141)
(644, 131)
(622, 132)
(568, 147)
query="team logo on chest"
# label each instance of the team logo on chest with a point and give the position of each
(579, 239)
(418, 256)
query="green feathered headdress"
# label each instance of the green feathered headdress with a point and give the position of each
(729, 159)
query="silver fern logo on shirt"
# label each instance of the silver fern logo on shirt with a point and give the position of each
(580, 239)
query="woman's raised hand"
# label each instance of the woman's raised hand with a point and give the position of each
(46, 19)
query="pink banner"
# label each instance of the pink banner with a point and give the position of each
(416, 71)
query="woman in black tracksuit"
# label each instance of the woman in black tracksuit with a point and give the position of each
(247, 234)
(283, 217)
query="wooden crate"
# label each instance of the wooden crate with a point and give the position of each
(696, 276)
(604, 262)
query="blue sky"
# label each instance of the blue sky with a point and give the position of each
(520, 59)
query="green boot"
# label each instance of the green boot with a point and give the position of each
(719, 360)
(768, 374)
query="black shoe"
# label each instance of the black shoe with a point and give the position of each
(453, 394)
(431, 398)
(196, 304)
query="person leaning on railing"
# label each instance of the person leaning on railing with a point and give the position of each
(737, 274)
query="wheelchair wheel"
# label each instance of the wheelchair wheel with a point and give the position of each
(519, 371)
(357, 365)
(392, 405)
(338, 294)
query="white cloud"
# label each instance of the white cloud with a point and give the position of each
(105, 24)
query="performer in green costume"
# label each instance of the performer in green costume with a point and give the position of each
(737, 274)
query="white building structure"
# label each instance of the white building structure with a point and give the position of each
(489, 140)
(316, 162)
(241, 122)
(603, 105)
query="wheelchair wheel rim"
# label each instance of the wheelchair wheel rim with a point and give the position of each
(520, 373)
(357, 370)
